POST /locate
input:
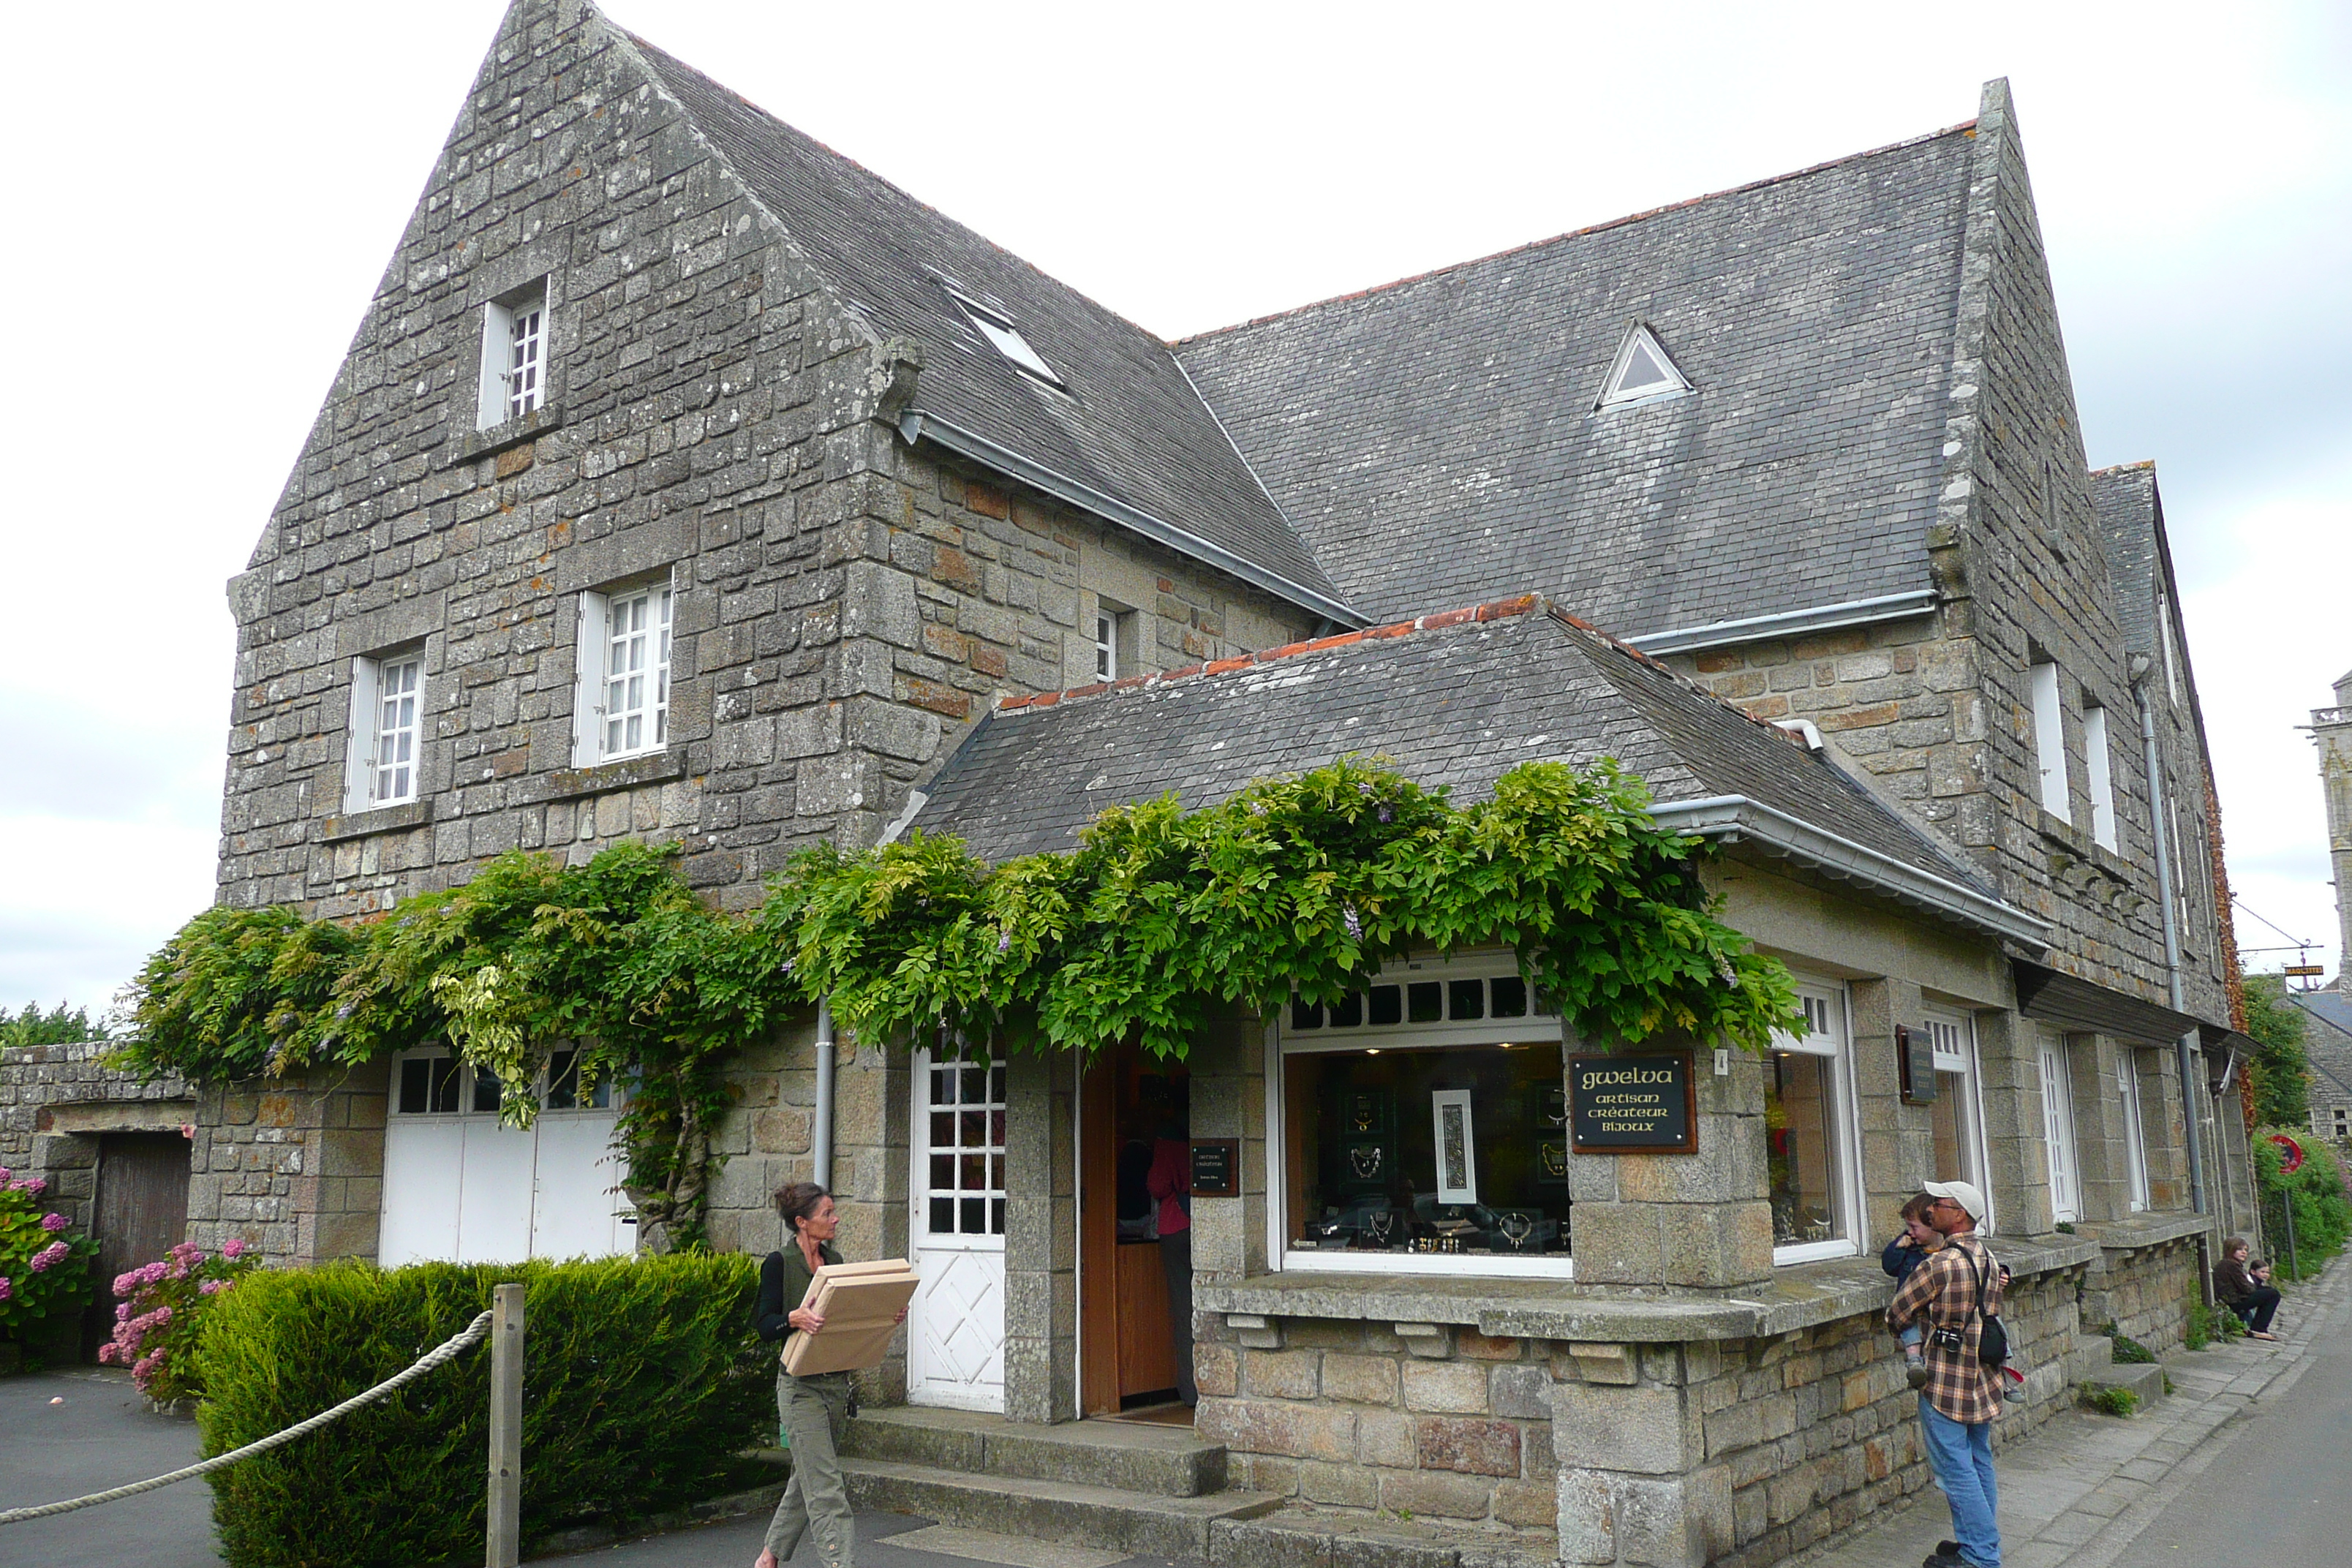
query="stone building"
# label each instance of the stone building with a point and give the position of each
(2331, 732)
(687, 481)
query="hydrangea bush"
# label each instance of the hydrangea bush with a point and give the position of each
(162, 1313)
(43, 1272)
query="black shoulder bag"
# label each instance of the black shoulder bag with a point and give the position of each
(1992, 1341)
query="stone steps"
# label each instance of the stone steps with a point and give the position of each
(2144, 1378)
(1113, 1518)
(1294, 1538)
(1163, 1461)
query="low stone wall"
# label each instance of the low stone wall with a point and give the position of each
(1444, 1423)
(2145, 1288)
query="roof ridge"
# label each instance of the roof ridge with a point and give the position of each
(1491, 610)
(1966, 127)
(2123, 468)
(882, 179)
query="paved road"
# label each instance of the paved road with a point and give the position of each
(2279, 1489)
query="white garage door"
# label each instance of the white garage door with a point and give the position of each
(460, 1188)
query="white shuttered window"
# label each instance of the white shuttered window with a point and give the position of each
(386, 733)
(622, 702)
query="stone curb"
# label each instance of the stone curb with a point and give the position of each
(2082, 1487)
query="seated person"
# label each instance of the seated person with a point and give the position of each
(2244, 1288)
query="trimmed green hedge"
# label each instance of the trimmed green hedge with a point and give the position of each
(642, 1380)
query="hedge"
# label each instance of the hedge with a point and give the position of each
(642, 1380)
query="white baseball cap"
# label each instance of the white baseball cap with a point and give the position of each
(1961, 1193)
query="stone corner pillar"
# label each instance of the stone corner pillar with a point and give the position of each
(1701, 1219)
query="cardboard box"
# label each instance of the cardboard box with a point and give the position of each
(860, 1304)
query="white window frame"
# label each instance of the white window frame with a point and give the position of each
(2049, 740)
(591, 740)
(2102, 788)
(1534, 1031)
(2127, 1090)
(1613, 396)
(362, 751)
(512, 387)
(1105, 643)
(2172, 658)
(2065, 1167)
(1952, 1044)
(1829, 1036)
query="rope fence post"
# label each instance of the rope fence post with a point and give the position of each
(506, 1427)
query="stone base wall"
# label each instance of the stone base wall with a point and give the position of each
(294, 1168)
(55, 1101)
(2145, 1291)
(1742, 1453)
(1445, 1424)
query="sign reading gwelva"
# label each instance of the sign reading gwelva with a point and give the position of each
(1633, 1105)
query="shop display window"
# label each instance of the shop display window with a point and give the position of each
(1808, 1133)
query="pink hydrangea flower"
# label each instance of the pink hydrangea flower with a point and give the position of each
(7, 1288)
(55, 1253)
(211, 1286)
(107, 1354)
(54, 1221)
(123, 1313)
(233, 1247)
(33, 1184)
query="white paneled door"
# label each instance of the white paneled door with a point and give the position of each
(955, 1339)
(460, 1188)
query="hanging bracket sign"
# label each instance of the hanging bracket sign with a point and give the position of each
(1633, 1104)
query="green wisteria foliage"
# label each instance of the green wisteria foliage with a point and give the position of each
(1303, 885)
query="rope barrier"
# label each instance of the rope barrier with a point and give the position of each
(437, 1356)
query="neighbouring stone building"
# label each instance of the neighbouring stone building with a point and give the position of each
(687, 481)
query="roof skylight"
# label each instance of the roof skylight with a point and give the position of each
(1641, 371)
(1000, 330)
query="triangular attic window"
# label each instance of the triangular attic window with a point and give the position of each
(1642, 371)
(1000, 330)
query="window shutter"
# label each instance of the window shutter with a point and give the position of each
(588, 684)
(359, 739)
(491, 407)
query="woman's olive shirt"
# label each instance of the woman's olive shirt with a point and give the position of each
(783, 1284)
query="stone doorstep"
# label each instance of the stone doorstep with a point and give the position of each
(1140, 1524)
(1164, 1461)
(1294, 1538)
(2142, 1378)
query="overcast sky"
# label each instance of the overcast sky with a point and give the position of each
(207, 195)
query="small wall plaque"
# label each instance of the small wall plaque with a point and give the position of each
(1915, 1060)
(1216, 1167)
(1633, 1104)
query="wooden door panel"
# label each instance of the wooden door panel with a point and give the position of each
(1147, 1347)
(141, 1213)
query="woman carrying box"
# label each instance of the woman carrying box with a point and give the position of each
(813, 1410)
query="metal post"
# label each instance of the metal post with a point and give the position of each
(502, 1548)
(2286, 1205)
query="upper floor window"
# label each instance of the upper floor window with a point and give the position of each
(1114, 641)
(2049, 740)
(387, 706)
(514, 357)
(2171, 655)
(622, 704)
(2103, 786)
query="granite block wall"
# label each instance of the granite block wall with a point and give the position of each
(55, 1101)
(295, 1169)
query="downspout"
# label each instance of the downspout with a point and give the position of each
(821, 1127)
(2191, 1106)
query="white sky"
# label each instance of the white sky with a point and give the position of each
(208, 195)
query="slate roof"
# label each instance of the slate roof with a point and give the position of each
(1435, 440)
(1133, 428)
(2131, 528)
(2327, 1041)
(1454, 699)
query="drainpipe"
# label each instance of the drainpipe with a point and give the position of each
(2191, 1106)
(821, 1125)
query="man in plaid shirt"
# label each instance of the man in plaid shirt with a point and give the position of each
(1956, 1289)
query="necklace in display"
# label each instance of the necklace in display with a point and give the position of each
(1365, 1162)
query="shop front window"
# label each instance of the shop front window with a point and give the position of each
(1957, 1119)
(1424, 1126)
(1807, 1130)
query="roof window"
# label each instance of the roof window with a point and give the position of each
(998, 329)
(1641, 371)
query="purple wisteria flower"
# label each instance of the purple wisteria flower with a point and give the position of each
(1386, 814)
(1004, 940)
(1355, 925)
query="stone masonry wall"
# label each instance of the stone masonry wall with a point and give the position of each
(295, 1168)
(2145, 1291)
(54, 1102)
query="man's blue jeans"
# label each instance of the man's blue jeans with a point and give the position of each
(1960, 1453)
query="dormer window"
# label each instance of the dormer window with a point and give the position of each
(514, 357)
(999, 330)
(1640, 372)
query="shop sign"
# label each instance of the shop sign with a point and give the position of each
(1216, 1167)
(1633, 1104)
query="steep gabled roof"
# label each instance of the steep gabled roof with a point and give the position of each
(1436, 439)
(1132, 429)
(1452, 699)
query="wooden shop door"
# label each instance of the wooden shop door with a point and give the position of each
(142, 1214)
(1129, 1348)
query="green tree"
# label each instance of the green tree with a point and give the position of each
(60, 1025)
(2280, 1070)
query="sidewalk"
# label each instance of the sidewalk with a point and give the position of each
(2082, 1486)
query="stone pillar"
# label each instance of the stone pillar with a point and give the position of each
(1627, 1433)
(1228, 1063)
(1896, 1149)
(292, 1167)
(2099, 1127)
(1041, 1239)
(2164, 1130)
(1700, 1219)
(2009, 1061)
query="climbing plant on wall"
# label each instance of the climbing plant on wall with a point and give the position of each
(1302, 885)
